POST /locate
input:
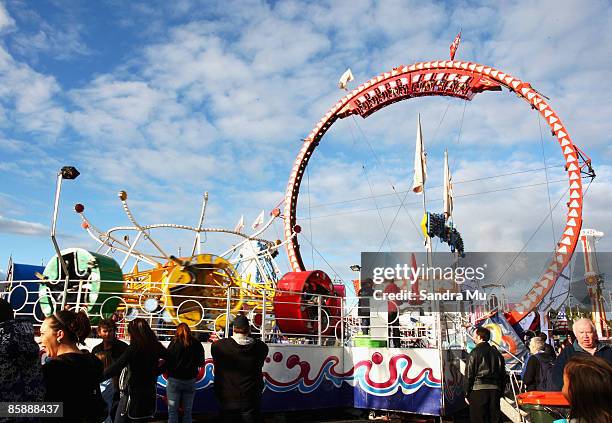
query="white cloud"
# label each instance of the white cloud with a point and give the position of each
(6, 21)
(22, 227)
(218, 99)
(52, 41)
(29, 96)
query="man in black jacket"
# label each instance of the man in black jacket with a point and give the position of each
(587, 342)
(239, 381)
(485, 378)
(113, 347)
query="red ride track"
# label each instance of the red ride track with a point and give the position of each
(456, 79)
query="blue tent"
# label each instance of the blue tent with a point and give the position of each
(21, 288)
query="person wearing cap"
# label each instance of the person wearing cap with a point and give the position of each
(239, 384)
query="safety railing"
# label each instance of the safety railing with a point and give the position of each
(307, 318)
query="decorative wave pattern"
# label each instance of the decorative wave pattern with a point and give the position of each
(359, 375)
(204, 379)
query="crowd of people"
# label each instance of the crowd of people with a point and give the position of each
(117, 382)
(582, 371)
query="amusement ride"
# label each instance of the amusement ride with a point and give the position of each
(304, 307)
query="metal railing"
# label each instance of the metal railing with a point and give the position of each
(316, 319)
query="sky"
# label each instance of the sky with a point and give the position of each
(167, 100)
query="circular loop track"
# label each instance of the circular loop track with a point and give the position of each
(456, 79)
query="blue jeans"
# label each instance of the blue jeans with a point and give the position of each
(180, 391)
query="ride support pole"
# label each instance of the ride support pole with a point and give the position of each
(319, 320)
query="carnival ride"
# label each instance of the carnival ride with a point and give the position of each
(460, 79)
(201, 289)
(207, 291)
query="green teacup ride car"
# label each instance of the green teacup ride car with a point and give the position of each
(95, 284)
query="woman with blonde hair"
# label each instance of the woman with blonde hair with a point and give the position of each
(185, 356)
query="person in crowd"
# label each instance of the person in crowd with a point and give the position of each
(365, 294)
(71, 376)
(107, 387)
(185, 356)
(586, 342)
(528, 334)
(393, 315)
(567, 341)
(107, 330)
(113, 349)
(20, 371)
(144, 361)
(539, 364)
(239, 381)
(548, 349)
(485, 379)
(587, 385)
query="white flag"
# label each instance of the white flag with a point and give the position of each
(240, 225)
(258, 221)
(420, 162)
(345, 78)
(448, 188)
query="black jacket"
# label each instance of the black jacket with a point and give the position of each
(118, 347)
(549, 350)
(532, 376)
(144, 368)
(603, 351)
(485, 369)
(73, 379)
(238, 377)
(183, 362)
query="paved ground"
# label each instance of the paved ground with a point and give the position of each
(338, 416)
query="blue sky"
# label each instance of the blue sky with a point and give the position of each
(169, 99)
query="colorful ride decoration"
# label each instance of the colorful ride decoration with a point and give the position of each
(304, 299)
(91, 283)
(199, 286)
(456, 79)
(205, 290)
(298, 378)
(22, 288)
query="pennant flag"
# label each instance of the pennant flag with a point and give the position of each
(420, 162)
(240, 225)
(346, 77)
(531, 322)
(455, 45)
(258, 221)
(448, 188)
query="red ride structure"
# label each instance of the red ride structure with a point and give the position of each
(455, 79)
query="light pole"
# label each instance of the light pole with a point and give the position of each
(357, 269)
(66, 172)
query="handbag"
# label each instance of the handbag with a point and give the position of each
(130, 408)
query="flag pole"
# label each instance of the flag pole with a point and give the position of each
(427, 237)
